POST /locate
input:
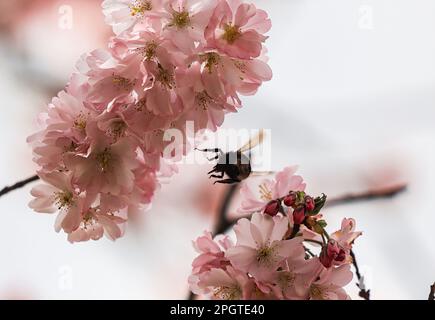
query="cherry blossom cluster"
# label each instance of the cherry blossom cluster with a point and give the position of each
(101, 150)
(282, 252)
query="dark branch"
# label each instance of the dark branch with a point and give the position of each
(432, 292)
(386, 193)
(223, 223)
(363, 292)
(18, 185)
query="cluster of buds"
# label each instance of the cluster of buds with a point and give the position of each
(303, 206)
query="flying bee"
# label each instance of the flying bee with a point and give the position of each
(235, 164)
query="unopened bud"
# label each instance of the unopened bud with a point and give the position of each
(299, 215)
(309, 203)
(272, 208)
(290, 199)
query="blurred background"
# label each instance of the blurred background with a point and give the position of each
(352, 103)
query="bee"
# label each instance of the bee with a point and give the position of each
(235, 164)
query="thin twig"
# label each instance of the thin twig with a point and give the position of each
(432, 292)
(223, 223)
(385, 193)
(18, 185)
(363, 292)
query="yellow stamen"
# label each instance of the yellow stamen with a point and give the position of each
(180, 19)
(149, 50)
(265, 193)
(104, 160)
(266, 255)
(211, 59)
(203, 99)
(64, 199)
(165, 77)
(80, 122)
(122, 83)
(139, 7)
(228, 293)
(231, 33)
(316, 292)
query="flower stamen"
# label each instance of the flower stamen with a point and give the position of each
(231, 33)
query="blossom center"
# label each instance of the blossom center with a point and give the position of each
(316, 292)
(266, 255)
(180, 19)
(211, 59)
(64, 199)
(228, 293)
(117, 129)
(104, 160)
(286, 279)
(231, 33)
(139, 7)
(122, 83)
(203, 99)
(149, 50)
(88, 219)
(165, 77)
(80, 122)
(265, 192)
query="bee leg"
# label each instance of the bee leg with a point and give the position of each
(227, 181)
(216, 150)
(220, 176)
(214, 158)
(212, 171)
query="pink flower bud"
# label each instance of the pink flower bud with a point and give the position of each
(299, 215)
(341, 256)
(333, 249)
(272, 208)
(330, 253)
(309, 203)
(290, 199)
(325, 259)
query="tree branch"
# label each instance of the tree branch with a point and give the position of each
(18, 185)
(385, 193)
(363, 292)
(432, 292)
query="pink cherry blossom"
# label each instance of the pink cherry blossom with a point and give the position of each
(186, 21)
(237, 29)
(329, 284)
(347, 234)
(58, 194)
(261, 247)
(94, 224)
(269, 190)
(123, 15)
(212, 253)
(228, 284)
(106, 168)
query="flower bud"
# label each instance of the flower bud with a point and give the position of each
(330, 253)
(272, 208)
(299, 215)
(325, 259)
(309, 203)
(290, 199)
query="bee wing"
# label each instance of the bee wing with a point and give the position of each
(252, 143)
(261, 173)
